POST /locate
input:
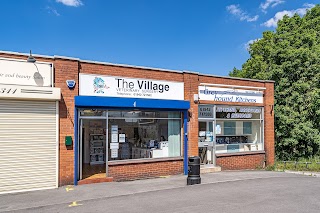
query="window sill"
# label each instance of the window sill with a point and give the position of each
(146, 160)
(241, 153)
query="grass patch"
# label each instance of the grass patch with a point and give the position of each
(299, 165)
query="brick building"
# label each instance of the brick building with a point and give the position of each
(121, 122)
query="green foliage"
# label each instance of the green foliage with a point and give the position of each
(291, 57)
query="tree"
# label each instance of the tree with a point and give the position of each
(291, 57)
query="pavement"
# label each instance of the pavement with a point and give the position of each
(71, 196)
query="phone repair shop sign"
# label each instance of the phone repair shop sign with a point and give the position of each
(123, 87)
(23, 73)
(230, 95)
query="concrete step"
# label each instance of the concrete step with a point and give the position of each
(209, 169)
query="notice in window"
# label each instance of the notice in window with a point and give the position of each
(114, 145)
(114, 153)
(122, 138)
(114, 138)
(218, 129)
(114, 129)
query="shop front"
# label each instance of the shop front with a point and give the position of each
(123, 122)
(233, 125)
(29, 119)
(127, 122)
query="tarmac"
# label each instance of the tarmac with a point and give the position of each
(72, 195)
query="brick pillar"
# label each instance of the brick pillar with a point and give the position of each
(191, 82)
(269, 144)
(66, 70)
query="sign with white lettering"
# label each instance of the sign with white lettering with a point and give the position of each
(230, 95)
(96, 85)
(205, 111)
(236, 112)
(17, 72)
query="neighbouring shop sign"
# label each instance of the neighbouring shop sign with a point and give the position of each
(110, 86)
(17, 72)
(29, 92)
(230, 95)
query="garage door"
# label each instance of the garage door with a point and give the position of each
(28, 145)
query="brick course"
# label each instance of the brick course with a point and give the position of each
(239, 162)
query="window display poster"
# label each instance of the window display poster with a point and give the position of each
(114, 138)
(114, 146)
(209, 136)
(122, 138)
(218, 129)
(202, 133)
(114, 153)
(114, 129)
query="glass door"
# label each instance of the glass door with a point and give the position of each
(92, 148)
(206, 142)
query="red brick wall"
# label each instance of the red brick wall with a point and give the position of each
(145, 170)
(190, 88)
(66, 70)
(269, 138)
(241, 162)
(129, 72)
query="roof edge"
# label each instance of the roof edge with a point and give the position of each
(25, 54)
(66, 57)
(130, 66)
(237, 78)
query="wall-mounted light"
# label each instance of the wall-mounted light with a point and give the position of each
(196, 98)
(31, 59)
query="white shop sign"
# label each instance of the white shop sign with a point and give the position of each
(18, 72)
(230, 95)
(108, 86)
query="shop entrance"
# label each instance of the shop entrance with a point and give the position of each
(92, 148)
(206, 142)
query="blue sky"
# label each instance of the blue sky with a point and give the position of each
(207, 36)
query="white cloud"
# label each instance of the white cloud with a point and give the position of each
(53, 11)
(242, 15)
(72, 3)
(279, 15)
(247, 45)
(270, 3)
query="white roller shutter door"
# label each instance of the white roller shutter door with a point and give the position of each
(28, 145)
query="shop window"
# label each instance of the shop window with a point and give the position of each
(238, 129)
(247, 128)
(143, 134)
(92, 112)
(229, 128)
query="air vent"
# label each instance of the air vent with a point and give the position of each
(33, 91)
